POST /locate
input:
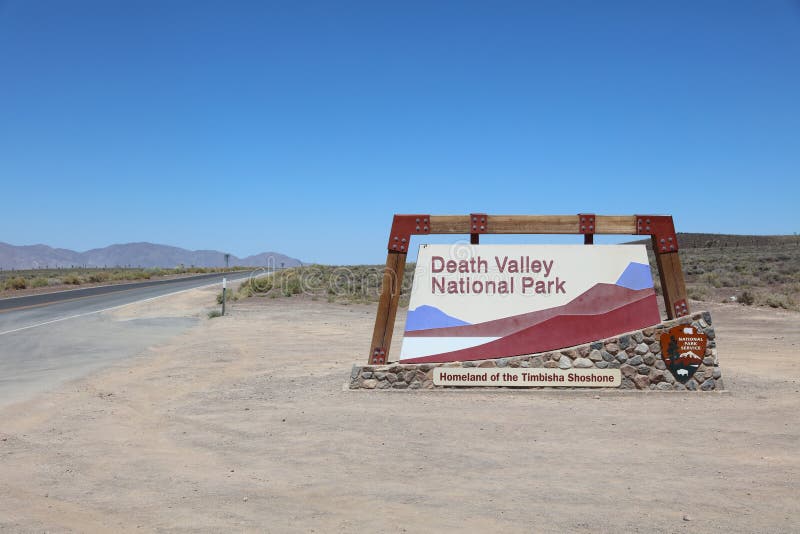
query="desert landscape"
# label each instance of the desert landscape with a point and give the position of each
(244, 423)
(36, 269)
(213, 214)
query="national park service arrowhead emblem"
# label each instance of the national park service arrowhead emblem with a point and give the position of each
(683, 349)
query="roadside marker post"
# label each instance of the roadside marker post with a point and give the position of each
(224, 288)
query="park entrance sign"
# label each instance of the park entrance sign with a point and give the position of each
(477, 302)
(533, 317)
(660, 228)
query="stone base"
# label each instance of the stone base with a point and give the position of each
(637, 354)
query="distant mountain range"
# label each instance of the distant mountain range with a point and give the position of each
(130, 254)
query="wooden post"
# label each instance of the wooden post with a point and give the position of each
(387, 307)
(673, 286)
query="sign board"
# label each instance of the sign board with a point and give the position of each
(683, 349)
(517, 377)
(475, 302)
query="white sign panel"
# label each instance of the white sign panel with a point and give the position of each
(472, 302)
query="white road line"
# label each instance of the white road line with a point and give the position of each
(106, 309)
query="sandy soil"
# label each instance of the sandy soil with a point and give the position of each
(242, 424)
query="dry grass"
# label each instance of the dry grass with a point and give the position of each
(751, 270)
(348, 284)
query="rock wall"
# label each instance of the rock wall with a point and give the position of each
(636, 354)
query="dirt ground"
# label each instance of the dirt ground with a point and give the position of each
(242, 424)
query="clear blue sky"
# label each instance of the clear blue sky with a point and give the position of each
(301, 127)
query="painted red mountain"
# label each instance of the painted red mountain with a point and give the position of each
(603, 311)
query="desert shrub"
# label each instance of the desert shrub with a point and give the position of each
(712, 279)
(292, 286)
(17, 282)
(230, 295)
(350, 283)
(746, 298)
(750, 280)
(698, 293)
(214, 313)
(255, 286)
(40, 281)
(777, 301)
(71, 279)
(98, 277)
(773, 278)
(694, 270)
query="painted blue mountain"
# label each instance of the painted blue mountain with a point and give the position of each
(636, 276)
(425, 317)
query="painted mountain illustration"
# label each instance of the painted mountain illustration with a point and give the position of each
(589, 319)
(686, 360)
(636, 276)
(690, 358)
(604, 310)
(595, 300)
(425, 317)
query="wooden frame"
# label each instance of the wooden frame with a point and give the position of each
(659, 227)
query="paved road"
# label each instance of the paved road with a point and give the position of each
(46, 340)
(19, 313)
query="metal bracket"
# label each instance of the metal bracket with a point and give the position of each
(661, 228)
(478, 223)
(403, 227)
(680, 308)
(586, 223)
(378, 356)
(586, 227)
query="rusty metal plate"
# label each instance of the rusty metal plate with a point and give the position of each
(479, 223)
(403, 227)
(662, 228)
(681, 308)
(378, 356)
(586, 223)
